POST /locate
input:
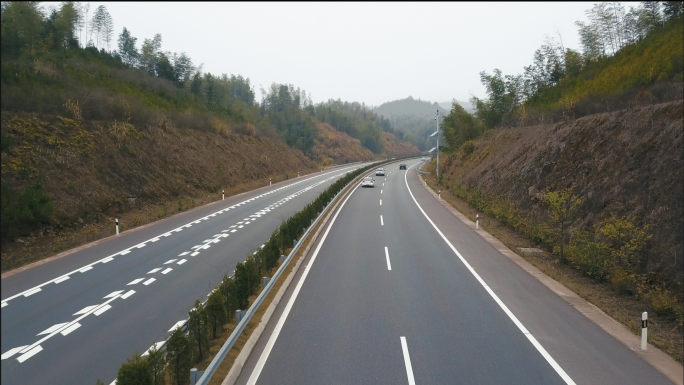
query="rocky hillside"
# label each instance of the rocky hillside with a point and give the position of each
(628, 163)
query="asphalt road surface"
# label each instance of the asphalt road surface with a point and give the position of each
(77, 319)
(397, 290)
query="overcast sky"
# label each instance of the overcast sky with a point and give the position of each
(370, 53)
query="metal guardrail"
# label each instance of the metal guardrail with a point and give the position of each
(211, 369)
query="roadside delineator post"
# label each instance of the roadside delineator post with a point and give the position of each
(223, 194)
(117, 226)
(297, 174)
(477, 221)
(269, 181)
(440, 194)
(644, 331)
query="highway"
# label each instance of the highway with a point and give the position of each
(397, 290)
(78, 318)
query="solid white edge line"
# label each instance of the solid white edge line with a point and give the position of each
(510, 314)
(140, 245)
(283, 317)
(389, 265)
(407, 361)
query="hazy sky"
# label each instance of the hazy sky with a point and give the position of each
(366, 52)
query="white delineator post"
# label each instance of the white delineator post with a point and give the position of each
(117, 226)
(644, 331)
(439, 194)
(269, 181)
(223, 194)
(477, 221)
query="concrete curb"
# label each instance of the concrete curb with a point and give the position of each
(654, 356)
(241, 359)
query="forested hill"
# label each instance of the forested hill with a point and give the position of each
(91, 120)
(412, 119)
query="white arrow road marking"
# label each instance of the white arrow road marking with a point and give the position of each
(51, 329)
(128, 294)
(167, 270)
(70, 329)
(11, 352)
(37, 349)
(113, 294)
(149, 281)
(182, 261)
(102, 309)
(86, 309)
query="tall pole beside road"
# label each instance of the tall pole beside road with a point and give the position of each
(437, 120)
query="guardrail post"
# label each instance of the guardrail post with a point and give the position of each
(266, 280)
(238, 315)
(195, 375)
(117, 226)
(644, 331)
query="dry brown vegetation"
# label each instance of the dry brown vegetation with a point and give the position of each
(98, 170)
(335, 147)
(664, 332)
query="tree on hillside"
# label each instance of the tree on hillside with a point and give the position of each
(22, 23)
(562, 205)
(149, 54)
(127, 51)
(459, 127)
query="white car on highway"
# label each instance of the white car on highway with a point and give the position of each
(380, 172)
(368, 182)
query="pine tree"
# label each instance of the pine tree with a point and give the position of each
(179, 357)
(197, 328)
(136, 371)
(216, 312)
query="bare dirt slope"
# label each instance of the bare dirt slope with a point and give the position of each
(335, 147)
(628, 162)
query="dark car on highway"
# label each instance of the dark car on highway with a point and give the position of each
(402, 166)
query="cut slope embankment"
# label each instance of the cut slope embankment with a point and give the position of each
(628, 163)
(95, 171)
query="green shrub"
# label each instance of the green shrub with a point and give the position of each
(621, 280)
(25, 211)
(179, 357)
(468, 147)
(662, 301)
(136, 371)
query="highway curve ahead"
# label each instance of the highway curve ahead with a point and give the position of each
(77, 319)
(384, 298)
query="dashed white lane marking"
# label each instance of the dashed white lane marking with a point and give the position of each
(380, 191)
(135, 281)
(407, 361)
(52, 328)
(182, 261)
(194, 254)
(167, 270)
(37, 349)
(177, 325)
(232, 231)
(383, 184)
(86, 309)
(58, 280)
(32, 292)
(380, 202)
(11, 352)
(389, 265)
(183, 253)
(169, 233)
(102, 309)
(149, 281)
(70, 329)
(496, 298)
(128, 294)
(154, 270)
(170, 261)
(241, 226)
(382, 223)
(113, 294)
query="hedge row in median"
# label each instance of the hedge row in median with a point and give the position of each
(206, 320)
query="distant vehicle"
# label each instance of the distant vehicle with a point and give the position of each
(368, 182)
(380, 172)
(422, 159)
(394, 158)
(402, 166)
